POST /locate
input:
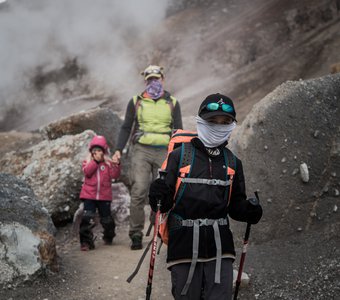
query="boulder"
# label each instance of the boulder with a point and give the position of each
(16, 140)
(103, 121)
(53, 170)
(27, 244)
(298, 123)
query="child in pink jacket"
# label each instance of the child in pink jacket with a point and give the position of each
(96, 192)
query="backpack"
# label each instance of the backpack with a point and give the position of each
(182, 138)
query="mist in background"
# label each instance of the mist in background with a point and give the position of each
(40, 36)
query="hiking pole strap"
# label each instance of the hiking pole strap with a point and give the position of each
(149, 229)
(134, 273)
(194, 257)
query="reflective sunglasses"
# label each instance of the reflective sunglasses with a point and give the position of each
(153, 71)
(215, 106)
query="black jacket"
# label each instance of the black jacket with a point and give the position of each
(204, 201)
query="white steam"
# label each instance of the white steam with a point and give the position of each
(99, 33)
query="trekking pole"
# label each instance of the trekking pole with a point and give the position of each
(162, 175)
(255, 202)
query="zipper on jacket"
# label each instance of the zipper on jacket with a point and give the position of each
(98, 183)
(210, 168)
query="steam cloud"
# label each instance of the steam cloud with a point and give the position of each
(99, 33)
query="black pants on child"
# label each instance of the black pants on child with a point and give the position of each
(87, 222)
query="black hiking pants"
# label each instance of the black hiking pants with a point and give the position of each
(87, 222)
(202, 285)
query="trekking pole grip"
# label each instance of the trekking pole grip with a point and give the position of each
(162, 174)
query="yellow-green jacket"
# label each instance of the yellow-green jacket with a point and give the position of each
(149, 121)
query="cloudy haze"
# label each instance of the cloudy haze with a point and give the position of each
(98, 33)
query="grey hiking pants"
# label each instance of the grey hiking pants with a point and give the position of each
(203, 281)
(145, 162)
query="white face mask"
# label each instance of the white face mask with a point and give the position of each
(213, 135)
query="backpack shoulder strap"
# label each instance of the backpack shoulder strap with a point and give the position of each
(136, 101)
(231, 159)
(230, 163)
(171, 101)
(187, 158)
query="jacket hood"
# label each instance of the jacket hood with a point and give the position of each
(99, 141)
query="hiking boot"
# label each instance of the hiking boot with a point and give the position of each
(136, 242)
(107, 241)
(86, 247)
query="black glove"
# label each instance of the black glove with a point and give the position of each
(160, 191)
(254, 213)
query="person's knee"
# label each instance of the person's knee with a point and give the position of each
(107, 222)
(87, 219)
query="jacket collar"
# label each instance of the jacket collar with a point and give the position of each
(213, 152)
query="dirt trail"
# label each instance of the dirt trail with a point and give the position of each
(102, 273)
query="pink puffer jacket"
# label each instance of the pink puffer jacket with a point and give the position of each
(98, 176)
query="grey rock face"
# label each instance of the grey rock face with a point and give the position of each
(53, 170)
(286, 120)
(19, 204)
(300, 227)
(103, 121)
(27, 245)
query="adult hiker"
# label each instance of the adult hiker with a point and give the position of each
(204, 184)
(149, 120)
(96, 192)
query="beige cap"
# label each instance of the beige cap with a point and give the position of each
(153, 71)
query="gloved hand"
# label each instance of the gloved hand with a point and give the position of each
(254, 213)
(160, 191)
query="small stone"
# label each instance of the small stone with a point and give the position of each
(269, 200)
(265, 147)
(295, 171)
(335, 209)
(284, 159)
(304, 172)
(313, 214)
(284, 171)
(295, 157)
(336, 192)
(316, 133)
(298, 208)
(299, 229)
(333, 174)
(67, 208)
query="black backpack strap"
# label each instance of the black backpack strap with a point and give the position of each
(231, 158)
(230, 161)
(187, 157)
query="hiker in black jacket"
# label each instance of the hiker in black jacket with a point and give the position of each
(200, 247)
